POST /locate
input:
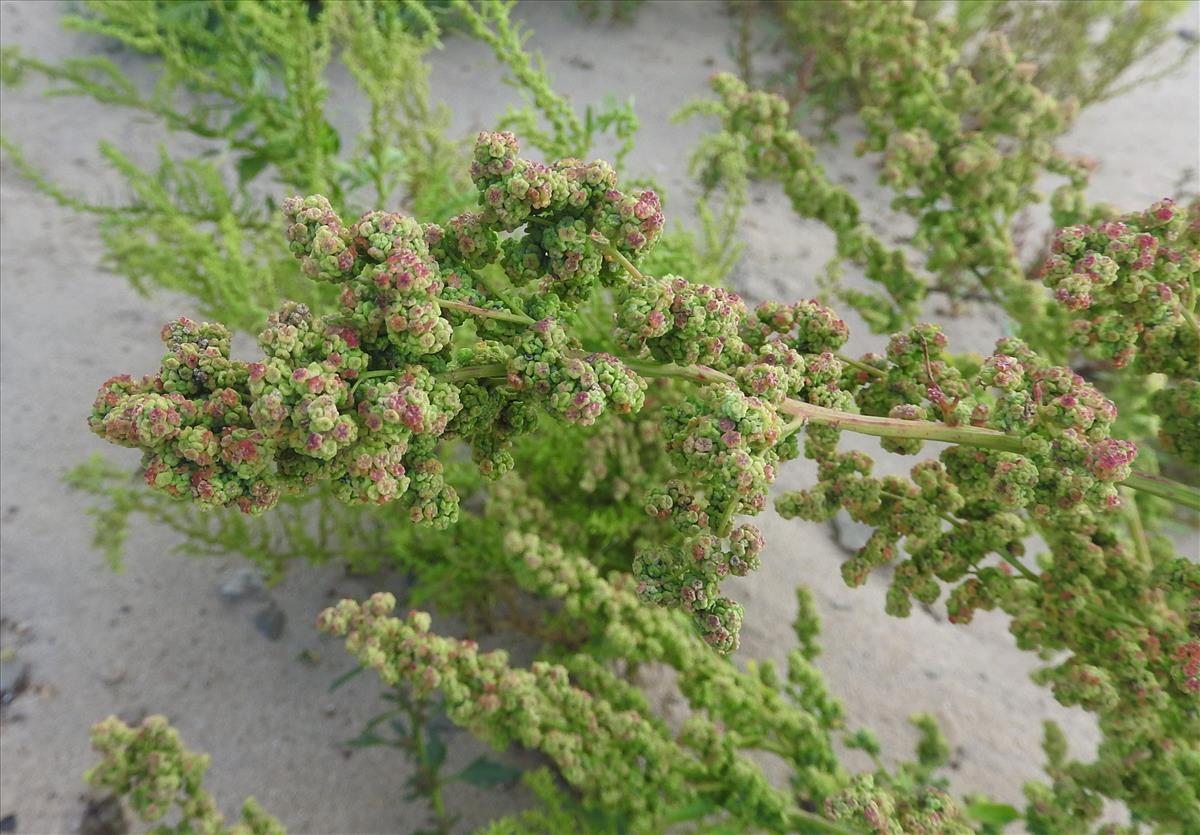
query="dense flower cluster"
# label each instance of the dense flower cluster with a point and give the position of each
(1179, 408)
(930, 812)
(192, 421)
(577, 387)
(1055, 464)
(440, 335)
(962, 145)
(587, 719)
(965, 520)
(149, 766)
(1131, 285)
(725, 441)
(1132, 289)
(562, 206)
(362, 398)
(596, 745)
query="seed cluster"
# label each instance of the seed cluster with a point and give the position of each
(470, 331)
(363, 398)
(149, 766)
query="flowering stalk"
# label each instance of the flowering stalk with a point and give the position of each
(150, 766)
(422, 352)
(882, 427)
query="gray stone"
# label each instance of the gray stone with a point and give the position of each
(270, 620)
(241, 583)
(103, 816)
(14, 679)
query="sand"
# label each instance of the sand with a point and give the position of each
(158, 638)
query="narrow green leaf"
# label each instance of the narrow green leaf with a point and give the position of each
(343, 678)
(486, 773)
(435, 750)
(993, 813)
(692, 811)
(367, 739)
(249, 167)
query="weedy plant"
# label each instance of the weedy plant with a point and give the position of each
(484, 371)
(1084, 52)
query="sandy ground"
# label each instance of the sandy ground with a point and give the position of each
(159, 638)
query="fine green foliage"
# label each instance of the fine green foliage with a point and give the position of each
(1086, 52)
(409, 727)
(247, 81)
(565, 133)
(961, 147)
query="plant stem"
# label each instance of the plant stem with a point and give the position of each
(811, 822)
(370, 375)
(416, 720)
(881, 427)
(611, 251)
(1190, 318)
(1136, 529)
(895, 428)
(1021, 569)
(474, 372)
(791, 427)
(485, 313)
(861, 366)
(1164, 488)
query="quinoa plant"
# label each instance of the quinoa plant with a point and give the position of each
(465, 331)
(963, 145)
(546, 407)
(1086, 52)
(202, 224)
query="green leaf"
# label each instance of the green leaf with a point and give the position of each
(239, 120)
(435, 750)
(992, 813)
(344, 677)
(486, 773)
(366, 739)
(249, 167)
(260, 82)
(328, 139)
(692, 811)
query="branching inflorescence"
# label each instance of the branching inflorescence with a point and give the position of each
(150, 766)
(465, 331)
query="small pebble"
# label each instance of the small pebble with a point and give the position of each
(133, 717)
(269, 620)
(14, 679)
(240, 583)
(103, 816)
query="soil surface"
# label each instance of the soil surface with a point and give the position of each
(244, 676)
